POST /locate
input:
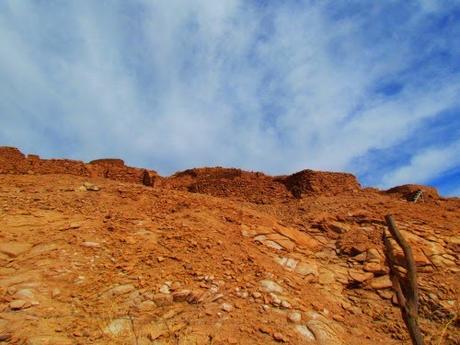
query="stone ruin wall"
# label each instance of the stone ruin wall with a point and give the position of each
(13, 161)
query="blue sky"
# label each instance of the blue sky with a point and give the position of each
(368, 87)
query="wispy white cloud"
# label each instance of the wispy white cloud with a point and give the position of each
(273, 87)
(425, 165)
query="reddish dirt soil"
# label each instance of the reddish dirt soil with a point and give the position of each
(92, 254)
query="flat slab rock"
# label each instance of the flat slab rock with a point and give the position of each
(318, 329)
(49, 340)
(270, 286)
(118, 326)
(14, 249)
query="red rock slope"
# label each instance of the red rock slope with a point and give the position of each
(90, 255)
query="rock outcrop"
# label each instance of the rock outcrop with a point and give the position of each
(13, 161)
(224, 182)
(309, 182)
(408, 191)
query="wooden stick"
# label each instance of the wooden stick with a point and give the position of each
(407, 295)
(418, 194)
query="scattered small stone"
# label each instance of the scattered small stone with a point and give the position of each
(275, 300)
(195, 297)
(180, 296)
(256, 294)
(165, 289)
(338, 318)
(307, 268)
(360, 257)
(351, 308)
(162, 300)
(216, 297)
(385, 294)
(91, 187)
(279, 337)
(175, 286)
(373, 255)
(90, 244)
(264, 329)
(286, 304)
(18, 304)
(375, 267)
(338, 227)
(360, 277)
(147, 305)
(433, 296)
(55, 292)
(242, 294)
(25, 294)
(294, 317)
(227, 307)
(383, 282)
(160, 259)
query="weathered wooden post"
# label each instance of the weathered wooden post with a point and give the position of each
(407, 293)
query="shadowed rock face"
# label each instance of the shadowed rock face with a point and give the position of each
(109, 162)
(146, 179)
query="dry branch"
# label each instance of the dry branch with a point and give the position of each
(406, 290)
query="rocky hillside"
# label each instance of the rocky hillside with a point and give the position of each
(102, 253)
